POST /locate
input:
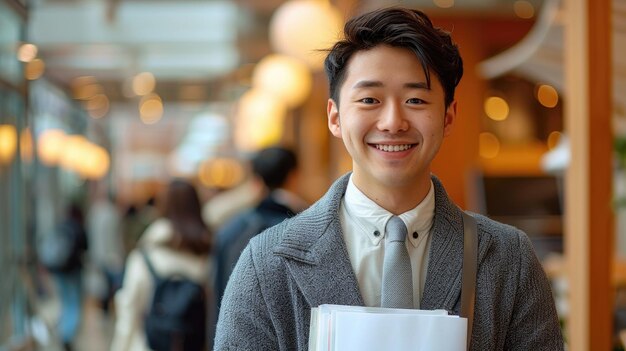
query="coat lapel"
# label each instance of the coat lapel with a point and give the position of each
(316, 255)
(443, 279)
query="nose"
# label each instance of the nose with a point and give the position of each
(392, 119)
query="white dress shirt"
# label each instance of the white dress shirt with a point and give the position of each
(363, 223)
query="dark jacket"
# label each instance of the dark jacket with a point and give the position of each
(233, 237)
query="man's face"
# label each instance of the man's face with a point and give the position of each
(390, 121)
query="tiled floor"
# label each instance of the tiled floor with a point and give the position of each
(95, 331)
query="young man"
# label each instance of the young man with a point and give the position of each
(392, 81)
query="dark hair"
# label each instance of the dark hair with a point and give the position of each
(273, 165)
(403, 28)
(181, 206)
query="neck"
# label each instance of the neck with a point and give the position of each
(397, 199)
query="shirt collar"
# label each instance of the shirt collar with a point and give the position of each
(372, 219)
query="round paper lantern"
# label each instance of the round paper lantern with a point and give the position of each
(304, 29)
(285, 77)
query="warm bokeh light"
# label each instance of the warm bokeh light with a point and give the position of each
(96, 162)
(26, 145)
(553, 139)
(85, 87)
(547, 96)
(143, 83)
(150, 109)
(488, 145)
(97, 106)
(27, 52)
(260, 119)
(34, 69)
(496, 108)
(8, 143)
(50, 146)
(444, 4)
(221, 173)
(304, 28)
(74, 152)
(524, 9)
(287, 78)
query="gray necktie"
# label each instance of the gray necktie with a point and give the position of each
(397, 289)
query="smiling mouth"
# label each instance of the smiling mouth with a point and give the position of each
(393, 148)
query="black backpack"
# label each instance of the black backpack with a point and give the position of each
(177, 317)
(60, 250)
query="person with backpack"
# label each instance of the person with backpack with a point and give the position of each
(164, 300)
(277, 168)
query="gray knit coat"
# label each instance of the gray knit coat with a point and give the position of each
(303, 263)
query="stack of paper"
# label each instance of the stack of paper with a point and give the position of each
(340, 328)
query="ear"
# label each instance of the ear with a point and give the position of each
(334, 124)
(449, 119)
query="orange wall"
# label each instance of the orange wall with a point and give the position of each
(477, 38)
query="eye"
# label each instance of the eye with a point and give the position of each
(368, 100)
(415, 101)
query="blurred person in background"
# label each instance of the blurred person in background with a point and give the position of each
(223, 206)
(106, 247)
(69, 246)
(133, 226)
(277, 168)
(177, 243)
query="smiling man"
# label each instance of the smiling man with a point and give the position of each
(392, 80)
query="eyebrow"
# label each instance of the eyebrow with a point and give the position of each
(375, 84)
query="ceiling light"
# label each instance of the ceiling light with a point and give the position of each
(50, 146)
(547, 96)
(34, 69)
(8, 143)
(260, 119)
(150, 109)
(285, 77)
(304, 29)
(496, 108)
(27, 52)
(144, 83)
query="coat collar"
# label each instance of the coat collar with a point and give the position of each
(315, 252)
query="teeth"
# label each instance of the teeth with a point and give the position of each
(393, 148)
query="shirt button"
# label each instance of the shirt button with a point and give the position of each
(376, 233)
(415, 235)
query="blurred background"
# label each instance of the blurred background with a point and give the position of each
(114, 98)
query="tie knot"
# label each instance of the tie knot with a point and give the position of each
(396, 230)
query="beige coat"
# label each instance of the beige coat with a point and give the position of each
(133, 299)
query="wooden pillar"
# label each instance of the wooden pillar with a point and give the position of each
(588, 216)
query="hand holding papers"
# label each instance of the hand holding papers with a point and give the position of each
(339, 328)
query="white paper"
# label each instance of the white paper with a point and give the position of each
(343, 328)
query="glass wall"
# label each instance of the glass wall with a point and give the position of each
(16, 155)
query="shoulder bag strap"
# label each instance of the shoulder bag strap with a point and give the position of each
(149, 264)
(470, 258)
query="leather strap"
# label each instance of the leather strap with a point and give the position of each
(470, 265)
